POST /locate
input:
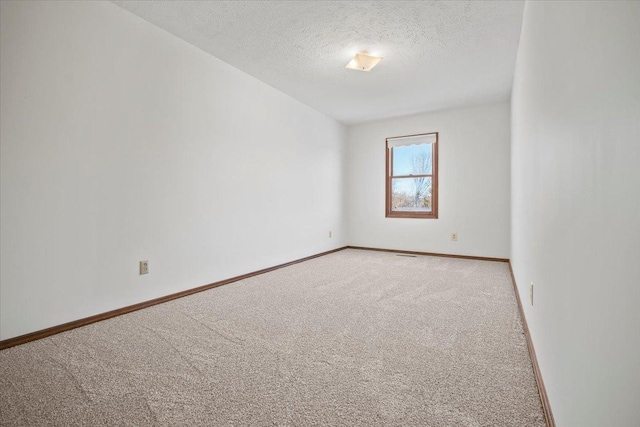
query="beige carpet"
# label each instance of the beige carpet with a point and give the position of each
(352, 338)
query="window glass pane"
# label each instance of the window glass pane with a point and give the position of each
(413, 160)
(411, 194)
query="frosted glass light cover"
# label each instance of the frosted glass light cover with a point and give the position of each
(363, 62)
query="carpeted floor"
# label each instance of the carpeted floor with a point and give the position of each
(352, 338)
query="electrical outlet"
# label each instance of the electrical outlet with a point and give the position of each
(531, 293)
(144, 267)
(329, 234)
(454, 237)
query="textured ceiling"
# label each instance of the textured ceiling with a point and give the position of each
(437, 54)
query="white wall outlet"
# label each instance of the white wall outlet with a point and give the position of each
(329, 234)
(531, 293)
(144, 267)
(454, 237)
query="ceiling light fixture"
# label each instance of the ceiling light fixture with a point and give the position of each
(363, 62)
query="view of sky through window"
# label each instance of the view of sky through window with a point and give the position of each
(412, 194)
(404, 156)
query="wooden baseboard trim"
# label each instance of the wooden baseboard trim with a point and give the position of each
(43, 333)
(480, 258)
(542, 391)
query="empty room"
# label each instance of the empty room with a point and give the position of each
(320, 213)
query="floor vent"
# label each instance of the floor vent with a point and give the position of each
(410, 256)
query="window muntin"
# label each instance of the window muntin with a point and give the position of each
(412, 176)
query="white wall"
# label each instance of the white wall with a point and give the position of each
(576, 204)
(473, 189)
(120, 142)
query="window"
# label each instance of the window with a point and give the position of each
(412, 176)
